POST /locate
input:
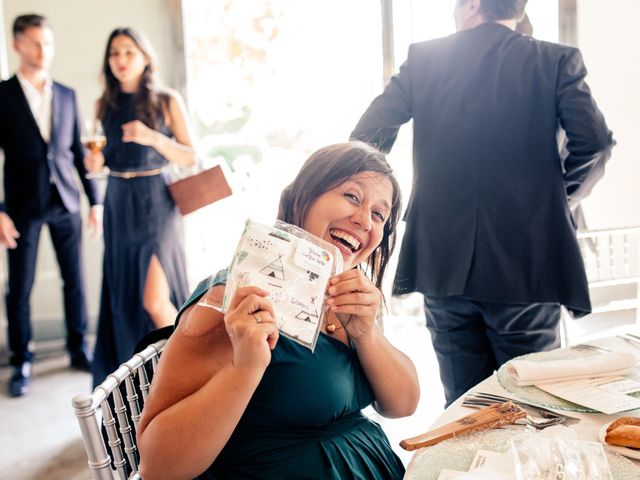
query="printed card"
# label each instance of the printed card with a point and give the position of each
(294, 267)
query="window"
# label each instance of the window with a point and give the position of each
(269, 82)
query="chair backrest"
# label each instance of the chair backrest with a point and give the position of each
(117, 402)
(612, 263)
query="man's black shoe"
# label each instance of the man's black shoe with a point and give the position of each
(19, 381)
(81, 361)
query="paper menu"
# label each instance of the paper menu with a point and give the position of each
(605, 394)
(294, 267)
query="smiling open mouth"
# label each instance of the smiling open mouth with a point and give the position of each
(345, 239)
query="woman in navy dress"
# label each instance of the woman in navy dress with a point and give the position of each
(232, 399)
(144, 275)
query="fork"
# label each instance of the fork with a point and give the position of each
(631, 339)
(588, 346)
(529, 419)
(543, 412)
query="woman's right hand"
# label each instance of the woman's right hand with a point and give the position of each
(93, 161)
(250, 323)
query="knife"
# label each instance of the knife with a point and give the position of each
(630, 337)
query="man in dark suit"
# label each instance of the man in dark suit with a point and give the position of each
(40, 136)
(489, 236)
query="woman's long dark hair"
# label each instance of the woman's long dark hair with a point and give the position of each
(151, 103)
(329, 167)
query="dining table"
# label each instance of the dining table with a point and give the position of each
(457, 453)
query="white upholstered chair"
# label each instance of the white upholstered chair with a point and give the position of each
(108, 417)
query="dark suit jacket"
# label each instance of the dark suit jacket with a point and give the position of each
(30, 162)
(489, 216)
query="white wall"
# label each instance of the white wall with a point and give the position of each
(607, 36)
(81, 30)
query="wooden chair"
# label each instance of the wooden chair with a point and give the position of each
(117, 404)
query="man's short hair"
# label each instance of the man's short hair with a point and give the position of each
(23, 22)
(493, 10)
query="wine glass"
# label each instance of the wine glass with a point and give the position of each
(93, 138)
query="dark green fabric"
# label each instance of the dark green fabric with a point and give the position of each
(304, 421)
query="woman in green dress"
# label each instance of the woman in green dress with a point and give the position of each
(233, 399)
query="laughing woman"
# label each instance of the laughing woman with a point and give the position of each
(144, 275)
(234, 400)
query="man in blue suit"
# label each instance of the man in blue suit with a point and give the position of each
(490, 240)
(40, 136)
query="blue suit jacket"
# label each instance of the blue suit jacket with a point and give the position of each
(30, 163)
(489, 215)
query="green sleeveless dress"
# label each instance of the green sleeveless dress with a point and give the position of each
(304, 420)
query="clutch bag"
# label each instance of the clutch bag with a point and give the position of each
(199, 190)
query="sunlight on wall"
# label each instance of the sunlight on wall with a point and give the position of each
(609, 49)
(270, 82)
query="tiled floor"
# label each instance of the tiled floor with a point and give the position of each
(40, 438)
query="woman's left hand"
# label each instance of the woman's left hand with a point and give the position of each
(355, 300)
(137, 132)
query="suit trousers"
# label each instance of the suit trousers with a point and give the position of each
(66, 235)
(473, 338)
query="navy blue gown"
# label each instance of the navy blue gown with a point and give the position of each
(140, 220)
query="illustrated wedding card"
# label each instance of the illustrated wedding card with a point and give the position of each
(294, 267)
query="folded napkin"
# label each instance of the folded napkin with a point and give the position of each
(526, 372)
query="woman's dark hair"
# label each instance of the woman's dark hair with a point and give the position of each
(329, 167)
(150, 102)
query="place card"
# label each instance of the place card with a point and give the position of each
(605, 394)
(485, 465)
(448, 474)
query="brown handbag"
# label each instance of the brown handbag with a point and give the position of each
(200, 190)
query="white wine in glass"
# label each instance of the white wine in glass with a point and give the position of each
(93, 138)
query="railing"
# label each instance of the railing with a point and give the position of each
(612, 263)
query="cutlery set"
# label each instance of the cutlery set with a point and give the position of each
(494, 411)
(590, 347)
(543, 417)
(493, 416)
(630, 338)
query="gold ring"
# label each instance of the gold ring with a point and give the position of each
(255, 315)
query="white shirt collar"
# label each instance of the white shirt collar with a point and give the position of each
(40, 103)
(30, 90)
